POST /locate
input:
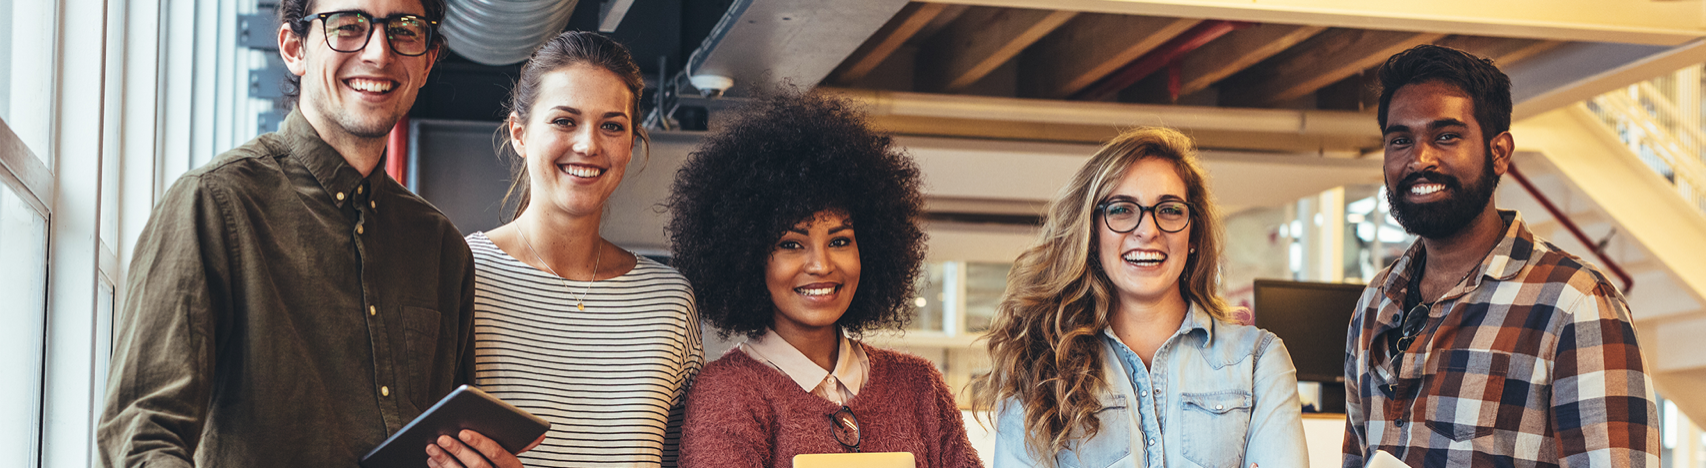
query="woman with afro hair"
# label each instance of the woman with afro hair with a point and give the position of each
(796, 225)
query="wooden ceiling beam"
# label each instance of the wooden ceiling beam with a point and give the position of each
(1325, 59)
(1502, 50)
(1091, 47)
(908, 22)
(981, 40)
(1534, 47)
(1237, 51)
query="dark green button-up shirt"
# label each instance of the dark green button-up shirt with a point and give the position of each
(282, 310)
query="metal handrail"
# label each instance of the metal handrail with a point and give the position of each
(1683, 160)
(1570, 225)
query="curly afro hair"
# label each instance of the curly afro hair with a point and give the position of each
(778, 162)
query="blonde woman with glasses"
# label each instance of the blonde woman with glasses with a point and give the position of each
(1111, 346)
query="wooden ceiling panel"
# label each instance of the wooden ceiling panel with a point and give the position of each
(1325, 59)
(908, 22)
(1237, 51)
(982, 39)
(1092, 46)
(1503, 50)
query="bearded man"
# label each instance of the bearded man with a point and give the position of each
(1483, 345)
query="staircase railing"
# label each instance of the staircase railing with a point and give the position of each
(1653, 127)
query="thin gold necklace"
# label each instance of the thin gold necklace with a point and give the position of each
(597, 253)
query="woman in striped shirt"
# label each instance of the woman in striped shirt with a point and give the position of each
(595, 339)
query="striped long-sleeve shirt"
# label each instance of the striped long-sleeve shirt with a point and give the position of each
(1533, 362)
(612, 379)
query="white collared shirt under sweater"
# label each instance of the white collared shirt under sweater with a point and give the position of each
(611, 379)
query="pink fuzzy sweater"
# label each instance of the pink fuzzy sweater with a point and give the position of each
(741, 413)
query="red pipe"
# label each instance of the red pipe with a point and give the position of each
(397, 152)
(1166, 55)
(1628, 282)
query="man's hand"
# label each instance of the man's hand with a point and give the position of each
(473, 451)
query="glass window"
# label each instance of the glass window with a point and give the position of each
(985, 283)
(27, 30)
(929, 307)
(23, 282)
(1373, 238)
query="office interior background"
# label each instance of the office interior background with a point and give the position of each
(103, 103)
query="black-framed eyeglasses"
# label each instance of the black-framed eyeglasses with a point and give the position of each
(349, 31)
(844, 427)
(1123, 216)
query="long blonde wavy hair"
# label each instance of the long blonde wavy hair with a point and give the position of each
(1045, 342)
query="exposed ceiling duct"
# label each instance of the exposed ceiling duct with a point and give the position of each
(503, 32)
(762, 42)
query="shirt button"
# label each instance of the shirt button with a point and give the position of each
(372, 205)
(340, 196)
(358, 190)
(1219, 407)
(358, 229)
(384, 391)
(371, 310)
(1157, 392)
(1151, 441)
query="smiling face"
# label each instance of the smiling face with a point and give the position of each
(363, 93)
(813, 272)
(1440, 171)
(577, 139)
(1146, 263)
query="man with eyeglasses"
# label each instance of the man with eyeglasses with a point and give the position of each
(1483, 345)
(289, 304)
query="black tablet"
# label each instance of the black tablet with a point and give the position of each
(465, 408)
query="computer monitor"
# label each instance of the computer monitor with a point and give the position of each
(1312, 319)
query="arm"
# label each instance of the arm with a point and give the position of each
(727, 427)
(1603, 406)
(1010, 448)
(1275, 437)
(692, 361)
(953, 445)
(1354, 418)
(161, 373)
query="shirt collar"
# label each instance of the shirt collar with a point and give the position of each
(771, 347)
(1196, 319)
(1507, 258)
(325, 163)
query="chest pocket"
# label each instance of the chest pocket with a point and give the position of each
(1467, 388)
(420, 356)
(1214, 425)
(1110, 445)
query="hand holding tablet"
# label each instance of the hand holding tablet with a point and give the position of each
(468, 426)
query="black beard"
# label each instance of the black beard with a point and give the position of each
(1446, 217)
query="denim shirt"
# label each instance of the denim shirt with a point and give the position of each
(1219, 395)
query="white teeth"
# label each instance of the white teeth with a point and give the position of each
(1145, 256)
(1424, 189)
(371, 86)
(816, 291)
(582, 171)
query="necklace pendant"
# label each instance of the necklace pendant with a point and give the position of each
(581, 306)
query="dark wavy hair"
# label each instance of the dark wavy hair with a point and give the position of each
(1488, 87)
(779, 161)
(291, 12)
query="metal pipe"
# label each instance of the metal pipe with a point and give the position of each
(1570, 225)
(1304, 122)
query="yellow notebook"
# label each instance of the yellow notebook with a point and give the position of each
(855, 460)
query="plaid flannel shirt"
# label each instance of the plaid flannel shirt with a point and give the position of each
(1531, 363)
